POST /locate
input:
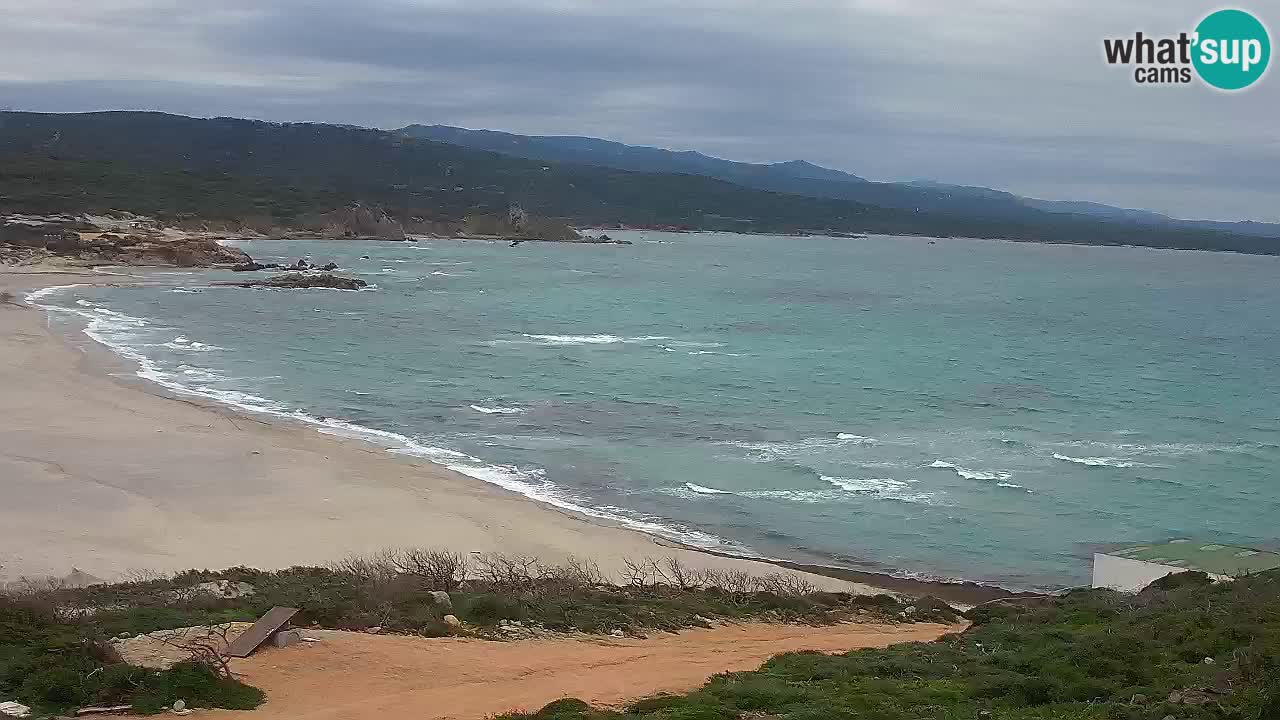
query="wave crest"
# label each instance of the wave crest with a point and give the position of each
(969, 474)
(1095, 461)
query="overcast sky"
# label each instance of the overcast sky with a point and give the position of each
(1011, 94)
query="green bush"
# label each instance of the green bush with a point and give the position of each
(1084, 656)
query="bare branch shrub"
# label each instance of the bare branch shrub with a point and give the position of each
(681, 576)
(376, 567)
(788, 584)
(734, 581)
(573, 573)
(437, 569)
(508, 572)
(645, 574)
(206, 645)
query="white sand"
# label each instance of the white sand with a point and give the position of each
(104, 475)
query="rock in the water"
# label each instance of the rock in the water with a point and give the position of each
(297, 280)
(253, 266)
(330, 266)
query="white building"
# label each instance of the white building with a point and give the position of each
(1132, 568)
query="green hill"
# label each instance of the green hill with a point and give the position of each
(228, 169)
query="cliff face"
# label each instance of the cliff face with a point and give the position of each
(359, 221)
(534, 228)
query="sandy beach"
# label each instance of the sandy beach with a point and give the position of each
(103, 474)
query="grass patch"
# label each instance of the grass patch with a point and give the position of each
(54, 663)
(397, 592)
(55, 654)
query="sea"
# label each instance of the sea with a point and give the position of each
(936, 408)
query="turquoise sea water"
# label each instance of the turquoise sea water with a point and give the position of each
(960, 409)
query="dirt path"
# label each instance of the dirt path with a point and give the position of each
(354, 676)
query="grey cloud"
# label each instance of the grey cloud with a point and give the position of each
(1007, 94)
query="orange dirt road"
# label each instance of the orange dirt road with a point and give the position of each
(356, 676)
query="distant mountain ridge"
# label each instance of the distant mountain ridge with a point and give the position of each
(197, 171)
(800, 177)
(640, 158)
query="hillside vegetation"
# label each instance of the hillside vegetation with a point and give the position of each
(1184, 648)
(291, 174)
(56, 650)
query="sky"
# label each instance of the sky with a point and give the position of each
(1007, 94)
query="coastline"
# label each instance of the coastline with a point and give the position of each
(267, 493)
(113, 478)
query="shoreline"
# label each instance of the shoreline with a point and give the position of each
(610, 541)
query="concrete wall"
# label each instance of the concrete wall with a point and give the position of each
(1127, 575)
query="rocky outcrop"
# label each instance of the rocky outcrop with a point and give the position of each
(360, 222)
(298, 281)
(109, 248)
(530, 229)
(68, 239)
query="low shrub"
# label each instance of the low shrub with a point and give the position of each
(1090, 655)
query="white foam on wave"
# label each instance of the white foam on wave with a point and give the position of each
(497, 410)
(882, 488)
(766, 452)
(119, 332)
(969, 474)
(1095, 461)
(703, 490)
(183, 343)
(570, 340)
(859, 438)
(43, 293)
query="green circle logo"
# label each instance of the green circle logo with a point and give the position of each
(1232, 49)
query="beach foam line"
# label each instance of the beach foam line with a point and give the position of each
(1095, 461)
(969, 474)
(113, 330)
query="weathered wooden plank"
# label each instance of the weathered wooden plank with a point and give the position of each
(275, 619)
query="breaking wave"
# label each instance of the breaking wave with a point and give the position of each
(1095, 461)
(497, 410)
(880, 488)
(969, 474)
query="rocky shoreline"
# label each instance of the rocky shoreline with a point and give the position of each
(122, 238)
(301, 281)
